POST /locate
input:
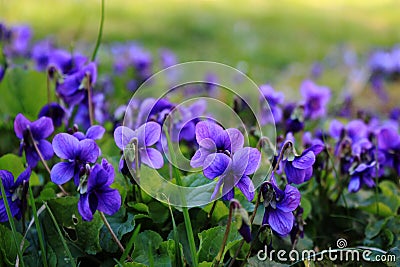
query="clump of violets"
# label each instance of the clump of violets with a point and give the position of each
(15, 193)
(96, 193)
(77, 154)
(279, 206)
(33, 138)
(315, 99)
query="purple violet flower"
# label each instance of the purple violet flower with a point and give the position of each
(299, 169)
(96, 193)
(279, 206)
(77, 153)
(31, 134)
(95, 132)
(15, 193)
(74, 87)
(55, 112)
(315, 98)
(274, 99)
(147, 135)
(362, 174)
(233, 172)
(212, 138)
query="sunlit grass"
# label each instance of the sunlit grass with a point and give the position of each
(267, 35)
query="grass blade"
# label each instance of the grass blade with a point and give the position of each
(130, 244)
(61, 235)
(38, 228)
(11, 221)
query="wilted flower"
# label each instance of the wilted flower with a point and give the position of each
(212, 138)
(146, 135)
(15, 193)
(96, 193)
(279, 206)
(233, 172)
(77, 153)
(31, 134)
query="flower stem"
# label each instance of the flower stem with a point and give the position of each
(43, 160)
(185, 210)
(38, 227)
(100, 33)
(121, 247)
(90, 102)
(226, 235)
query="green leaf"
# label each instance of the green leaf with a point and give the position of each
(16, 92)
(158, 212)
(306, 205)
(151, 250)
(121, 223)
(374, 227)
(256, 262)
(8, 251)
(82, 234)
(15, 165)
(211, 241)
(220, 211)
(140, 207)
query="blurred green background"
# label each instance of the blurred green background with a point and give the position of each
(264, 35)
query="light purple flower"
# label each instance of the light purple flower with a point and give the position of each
(233, 172)
(274, 99)
(147, 135)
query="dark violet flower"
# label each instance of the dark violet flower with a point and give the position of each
(15, 193)
(293, 117)
(31, 134)
(299, 169)
(55, 112)
(41, 52)
(74, 87)
(95, 132)
(77, 153)
(274, 99)
(64, 62)
(233, 172)
(315, 99)
(147, 135)
(362, 174)
(212, 138)
(2, 72)
(279, 206)
(96, 193)
(389, 144)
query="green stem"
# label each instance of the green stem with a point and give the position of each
(38, 227)
(185, 210)
(11, 221)
(100, 33)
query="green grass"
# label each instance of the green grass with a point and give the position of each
(266, 35)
